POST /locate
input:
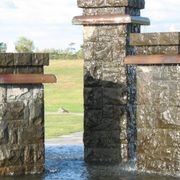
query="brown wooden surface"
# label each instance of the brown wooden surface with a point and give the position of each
(110, 19)
(27, 78)
(153, 59)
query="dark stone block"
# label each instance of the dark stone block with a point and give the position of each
(115, 96)
(102, 139)
(4, 133)
(22, 59)
(93, 97)
(40, 59)
(14, 111)
(32, 135)
(103, 155)
(6, 59)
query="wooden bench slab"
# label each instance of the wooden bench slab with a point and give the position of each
(152, 59)
(27, 78)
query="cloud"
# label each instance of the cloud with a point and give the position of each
(164, 14)
(41, 11)
(48, 22)
(7, 4)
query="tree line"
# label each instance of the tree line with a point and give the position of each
(25, 45)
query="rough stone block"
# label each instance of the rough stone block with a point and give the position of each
(111, 3)
(29, 70)
(115, 96)
(93, 98)
(105, 11)
(6, 70)
(40, 59)
(4, 133)
(152, 50)
(103, 51)
(6, 59)
(114, 75)
(146, 116)
(22, 59)
(102, 139)
(14, 111)
(102, 155)
(90, 34)
(32, 135)
(109, 118)
(89, 49)
(92, 74)
(150, 39)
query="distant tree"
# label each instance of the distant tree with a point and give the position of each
(24, 45)
(3, 47)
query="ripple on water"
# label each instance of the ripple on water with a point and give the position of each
(66, 163)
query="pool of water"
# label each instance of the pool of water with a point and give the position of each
(66, 163)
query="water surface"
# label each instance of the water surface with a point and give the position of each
(66, 163)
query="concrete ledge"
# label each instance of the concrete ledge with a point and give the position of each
(27, 78)
(153, 59)
(110, 19)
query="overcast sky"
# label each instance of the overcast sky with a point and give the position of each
(48, 22)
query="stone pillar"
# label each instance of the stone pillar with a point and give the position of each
(158, 102)
(109, 119)
(21, 115)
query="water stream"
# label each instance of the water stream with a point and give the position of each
(66, 163)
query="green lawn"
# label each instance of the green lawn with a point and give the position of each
(66, 93)
(57, 125)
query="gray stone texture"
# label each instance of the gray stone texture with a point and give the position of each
(22, 117)
(109, 120)
(158, 106)
(150, 39)
(111, 3)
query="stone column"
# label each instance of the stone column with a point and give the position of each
(21, 115)
(109, 119)
(158, 102)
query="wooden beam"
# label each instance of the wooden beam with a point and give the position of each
(153, 59)
(110, 19)
(27, 78)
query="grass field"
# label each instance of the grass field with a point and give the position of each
(63, 124)
(66, 93)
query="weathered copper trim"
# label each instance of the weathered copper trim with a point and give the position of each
(152, 59)
(27, 78)
(110, 19)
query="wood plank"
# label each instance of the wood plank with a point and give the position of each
(153, 59)
(27, 78)
(110, 19)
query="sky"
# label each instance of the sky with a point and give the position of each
(48, 22)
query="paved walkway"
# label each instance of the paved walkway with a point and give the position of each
(71, 139)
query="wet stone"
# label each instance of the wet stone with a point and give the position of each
(22, 59)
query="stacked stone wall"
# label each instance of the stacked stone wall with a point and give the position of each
(22, 116)
(109, 119)
(158, 105)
